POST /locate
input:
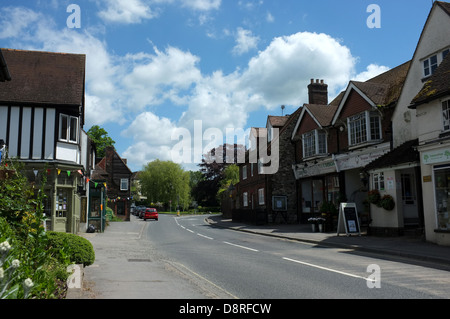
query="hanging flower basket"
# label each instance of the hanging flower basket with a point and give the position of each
(374, 197)
(387, 202)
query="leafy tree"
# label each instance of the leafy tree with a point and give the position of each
(101, 139)
(166, 182)
(230, 176)
(213, 167)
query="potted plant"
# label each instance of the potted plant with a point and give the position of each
(387, 202)
(313, 222)
(374, 197)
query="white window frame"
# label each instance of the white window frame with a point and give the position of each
(124, 184)
(378, 181)
(244, 172)
(446, 115)
(70, 129)
(315, 143)
(261, 200)
(429, 66)
(361, 128)
(245, 199)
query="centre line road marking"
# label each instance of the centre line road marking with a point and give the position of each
(324, 268)
(190, 231)
(243, 247)
(205, 236)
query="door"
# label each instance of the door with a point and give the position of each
(409, 198)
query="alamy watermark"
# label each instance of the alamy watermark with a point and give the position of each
(374, 19)
(190, 148)
(374, 279)
(74, 19)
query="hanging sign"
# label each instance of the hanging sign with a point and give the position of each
(348, 219)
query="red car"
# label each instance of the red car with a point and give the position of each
(150, 213)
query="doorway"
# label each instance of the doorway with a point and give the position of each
(409, 199)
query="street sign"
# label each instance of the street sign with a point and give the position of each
(348, 219)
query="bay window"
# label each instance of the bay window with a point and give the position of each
(364, 127)
(314, 143)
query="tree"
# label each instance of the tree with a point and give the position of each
(213, 167)
(230, 176)
(101, 139)
(166, 182)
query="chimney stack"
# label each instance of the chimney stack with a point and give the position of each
(318, 92)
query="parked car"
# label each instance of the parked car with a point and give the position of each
(150, 213)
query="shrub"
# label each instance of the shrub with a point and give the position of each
(78, 249)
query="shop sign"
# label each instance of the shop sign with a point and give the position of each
(315, 169)
(362, 159)
(436, 156)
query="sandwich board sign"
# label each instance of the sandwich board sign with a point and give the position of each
(348, 219)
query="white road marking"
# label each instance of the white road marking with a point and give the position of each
(205, 236)
(325, 268)
(243, 247)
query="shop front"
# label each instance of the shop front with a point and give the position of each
(435, 165)
(318, 183)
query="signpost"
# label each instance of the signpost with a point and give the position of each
(348, 219)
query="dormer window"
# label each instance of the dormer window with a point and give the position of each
(68, 128)
(314, 143)
(364, 127)
(431, 63)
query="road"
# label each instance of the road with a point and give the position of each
(247, 266)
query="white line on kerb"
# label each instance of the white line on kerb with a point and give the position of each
(325, 268)
(243, 247)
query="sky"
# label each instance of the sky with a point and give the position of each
(162, 74)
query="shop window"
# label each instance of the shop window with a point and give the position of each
(442, 186)
(62, 202)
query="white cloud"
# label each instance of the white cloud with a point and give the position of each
(281, 72)
(15, 20)
(270, 18)
(202, 5)
(126, 11)
(245, 41)
(161, 76)
(372, 71)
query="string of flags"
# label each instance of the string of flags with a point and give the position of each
(70, 173)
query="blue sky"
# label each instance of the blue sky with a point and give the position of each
(154, 66)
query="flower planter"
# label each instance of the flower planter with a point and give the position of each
(320, 228)
(314, 229)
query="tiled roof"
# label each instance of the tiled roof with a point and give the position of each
(322, 113)
(437, 85)
(405, 153)
(4, 72)
(277, 121)
(385, 88)
(44, 78)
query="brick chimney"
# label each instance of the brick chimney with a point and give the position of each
(318, 92)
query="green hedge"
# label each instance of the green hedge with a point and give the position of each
(78, 249)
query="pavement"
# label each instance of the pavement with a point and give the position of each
(122, 252)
